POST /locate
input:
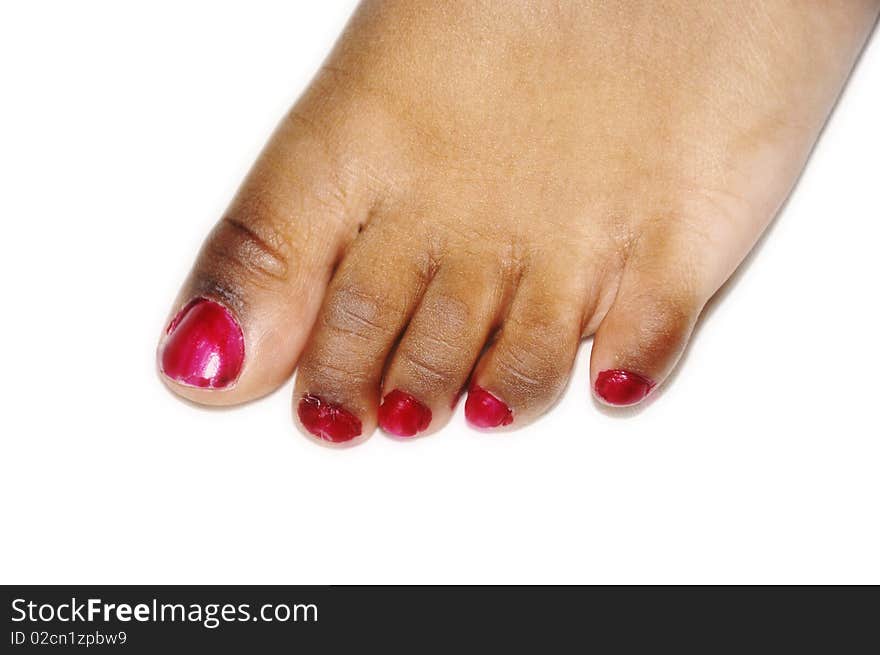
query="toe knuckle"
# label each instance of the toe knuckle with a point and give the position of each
(533, 366)
(359, 313)
(424, 366)
(254, 248)
(436, 351)
(322, 373)
(449, 314)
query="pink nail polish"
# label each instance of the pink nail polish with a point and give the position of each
(618, 387)
(402, 415)
(203, 346)
(483, 410)
(327, 421)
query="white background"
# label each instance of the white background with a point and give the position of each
(126, 129)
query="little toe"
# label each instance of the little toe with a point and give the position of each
(647, 327)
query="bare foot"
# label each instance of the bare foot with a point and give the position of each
(468, 189)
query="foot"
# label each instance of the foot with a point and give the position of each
(467, 190)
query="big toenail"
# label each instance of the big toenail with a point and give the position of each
(618, 387)
(328, 421)
(402, 415)
(484, 410)
(203, 346)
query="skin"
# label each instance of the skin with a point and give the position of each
(468, 189)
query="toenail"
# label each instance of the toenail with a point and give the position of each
(617, 387)
(484, 410)
(328, 421)
(402, 415)
(204, 346)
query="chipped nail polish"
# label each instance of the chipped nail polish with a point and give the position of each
(327, 421)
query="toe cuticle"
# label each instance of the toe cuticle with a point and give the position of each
(483, 409)
(327, 421)
(402, 415)
(620, 387)
(203, 346)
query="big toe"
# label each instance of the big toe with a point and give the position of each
(246, 309)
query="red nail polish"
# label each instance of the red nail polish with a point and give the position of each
(484, 410)
(204, 346)
(327, 421)
(402, 415)
(618, 387)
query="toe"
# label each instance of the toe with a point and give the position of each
(367, 306)
(527, 366)
(643, 334)
(437, 352)
(247, 307)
